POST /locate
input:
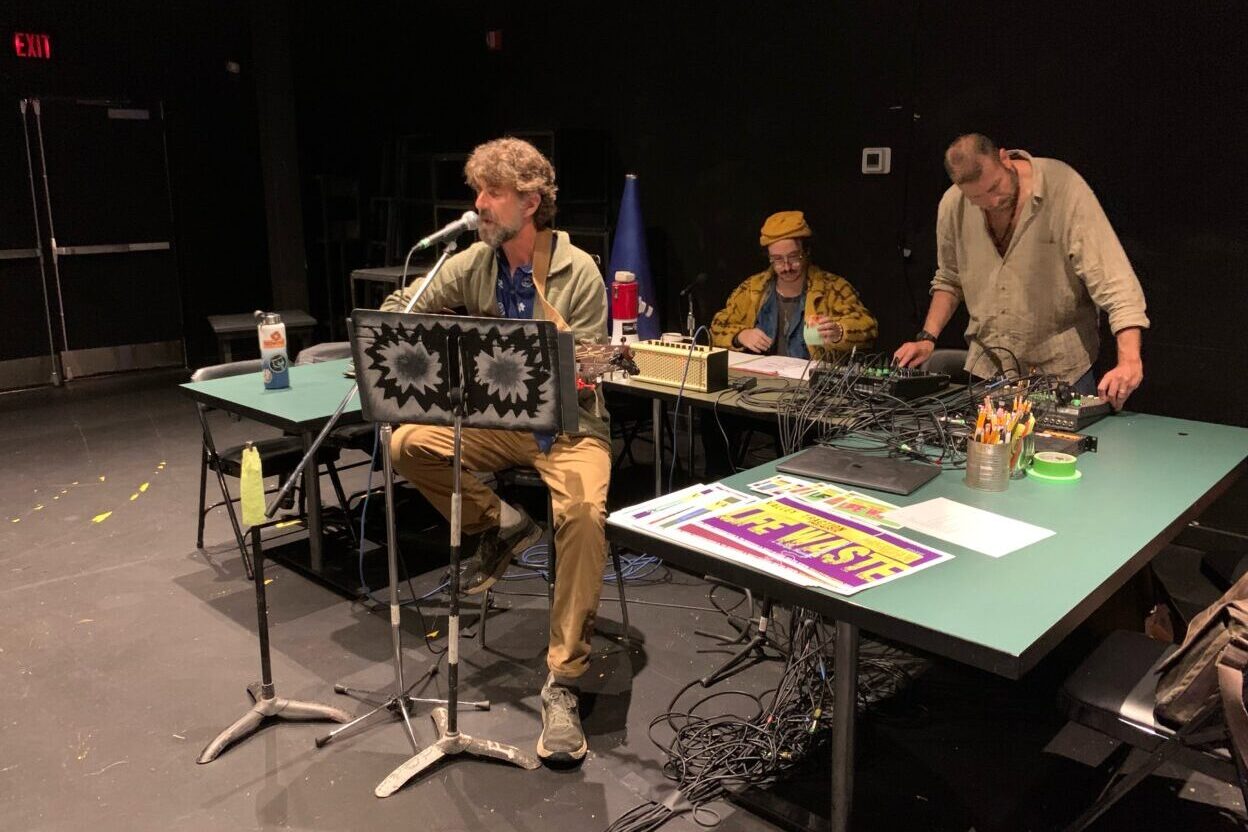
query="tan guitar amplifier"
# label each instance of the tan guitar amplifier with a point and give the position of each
(664, 363)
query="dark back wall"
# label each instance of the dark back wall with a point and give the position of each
(729, 112)
(141, 50)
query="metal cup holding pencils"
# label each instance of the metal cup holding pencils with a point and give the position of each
(1002, 436)
(988, 465)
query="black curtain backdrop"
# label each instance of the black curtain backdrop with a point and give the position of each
(726, 112)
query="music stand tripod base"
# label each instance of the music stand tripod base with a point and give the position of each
(266, 703)
(449, 745)
(441, 350)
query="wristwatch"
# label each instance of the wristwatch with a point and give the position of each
(924, 335)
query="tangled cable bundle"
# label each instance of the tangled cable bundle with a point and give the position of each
(708, 752)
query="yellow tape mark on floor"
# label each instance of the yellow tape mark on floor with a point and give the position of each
(100, 518)
(144, 487)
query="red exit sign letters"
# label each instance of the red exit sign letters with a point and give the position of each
(32, 45)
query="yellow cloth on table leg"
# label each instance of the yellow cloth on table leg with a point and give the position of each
(251, 487)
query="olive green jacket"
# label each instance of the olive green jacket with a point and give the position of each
(574, 288)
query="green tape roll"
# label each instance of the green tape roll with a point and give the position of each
(1054, 467)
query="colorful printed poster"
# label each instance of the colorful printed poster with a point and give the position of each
(669, 510)
(713, 498)
(862, 507)
(824, 493)
(779, 484)
(848, 503)
(661, 504)
(814, 545)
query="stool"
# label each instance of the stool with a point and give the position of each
(530, 478)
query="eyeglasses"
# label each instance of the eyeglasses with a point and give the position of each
(791, 259)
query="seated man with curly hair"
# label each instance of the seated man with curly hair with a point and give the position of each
(515, 186)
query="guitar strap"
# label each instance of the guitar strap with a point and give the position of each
(542, 252)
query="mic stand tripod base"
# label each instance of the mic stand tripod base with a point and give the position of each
(752, 651)
(400, 705)
(269, 705)
(449, 745)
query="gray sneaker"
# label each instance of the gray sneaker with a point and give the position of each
(562, 742)
(495, 553)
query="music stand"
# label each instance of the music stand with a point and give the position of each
(494, 373)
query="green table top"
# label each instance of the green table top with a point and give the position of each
(1150, 477)
(314, 394)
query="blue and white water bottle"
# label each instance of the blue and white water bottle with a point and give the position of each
(273, 358)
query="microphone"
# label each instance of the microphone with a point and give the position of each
(468, 222)
(694, 284)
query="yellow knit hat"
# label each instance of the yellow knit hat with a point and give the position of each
(783, 225)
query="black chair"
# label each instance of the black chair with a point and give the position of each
(950, 362)
(328, 351)
(279, 456)
(1114, 691)
(356, 437)
(1223, 568)
(630, 422)
(529, 478)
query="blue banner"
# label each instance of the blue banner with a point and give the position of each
(628, 254)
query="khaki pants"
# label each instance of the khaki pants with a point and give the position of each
(577, 471)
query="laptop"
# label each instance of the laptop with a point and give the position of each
(896, 476)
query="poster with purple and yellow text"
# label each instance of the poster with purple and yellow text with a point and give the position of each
(824, 549)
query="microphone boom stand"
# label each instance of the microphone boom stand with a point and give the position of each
(355, 390)
(401, 700)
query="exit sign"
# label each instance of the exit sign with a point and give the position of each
(32, 45)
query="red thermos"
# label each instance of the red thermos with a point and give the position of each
(624, 308)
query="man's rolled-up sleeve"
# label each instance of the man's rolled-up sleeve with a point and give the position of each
(1100, 262)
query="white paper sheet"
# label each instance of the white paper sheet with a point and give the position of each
(777, 365)
(736, 359)
(983, 531)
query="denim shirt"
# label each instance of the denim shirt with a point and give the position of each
(767, 320)
(516, 294)
(514, 291)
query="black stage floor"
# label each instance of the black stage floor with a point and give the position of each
(124, 650)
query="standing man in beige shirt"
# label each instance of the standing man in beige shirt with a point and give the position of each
(1026, 244)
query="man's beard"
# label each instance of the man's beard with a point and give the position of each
(494, 234)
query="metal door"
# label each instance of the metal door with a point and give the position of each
(110, 229)
(28, 350)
